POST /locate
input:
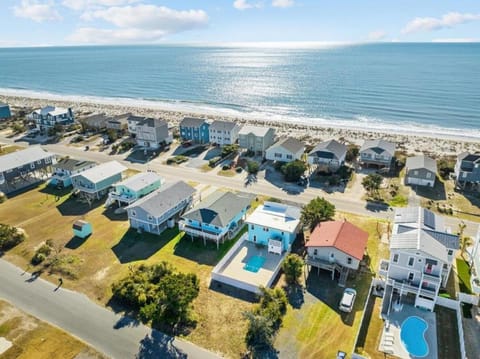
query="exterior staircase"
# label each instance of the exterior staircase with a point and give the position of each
(343, 276)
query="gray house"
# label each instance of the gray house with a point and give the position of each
(328, 156)
(421, 171)
(286, 150)
(97, 122)
(24, 168)
(378, 152)
(421, 254)
(151, 133)
(160, 209)
(50, 116)
(118, 123)
(256, 139)
(467, 170)
(132, 122)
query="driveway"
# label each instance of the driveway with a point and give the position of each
(471, 329)
(113, 334)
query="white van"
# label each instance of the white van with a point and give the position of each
(348, 299)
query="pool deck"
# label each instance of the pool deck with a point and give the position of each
(231, 269)
(390, 341)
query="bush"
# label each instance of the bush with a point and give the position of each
(253, 167)
(228, 150)
(10, 237)
(213, 162)
(41, 254)
(294, 170)
(76, 139)
(239, 169)
(352, 153)
(226, 167)
(316, 211)
(292, 266)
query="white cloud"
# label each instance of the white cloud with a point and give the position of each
(377, 35)
(431, 23)
(244, 5)
(37, 11)
(138, 24)
(86, 4)
(283, 3)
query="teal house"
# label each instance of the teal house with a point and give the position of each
(96, 182)
(4, 111)
(219, 217)
(135, 187)
(82, 229)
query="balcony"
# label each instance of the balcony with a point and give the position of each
(383, 268)
(122, 197)
(432, 278)
(199, 233)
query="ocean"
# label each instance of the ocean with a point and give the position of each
(399, 87)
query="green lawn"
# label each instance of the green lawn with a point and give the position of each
(463, 274)
(106, 255)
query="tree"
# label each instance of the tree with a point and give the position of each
(10, 237)
(260, 332)
(465, 241)
(352, 153)
(112, 135)
(252, 167)
(292, 266)
(229, 149)
(372, 183)
(294, 170)
(316, 211)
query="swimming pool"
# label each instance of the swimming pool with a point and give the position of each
(254, 264)
(412, 335)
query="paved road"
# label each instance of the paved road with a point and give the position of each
(112, 334)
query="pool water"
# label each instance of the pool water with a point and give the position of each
(412, 334)
(254, 264)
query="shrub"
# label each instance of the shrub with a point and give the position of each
(10, 237)
(239, 169)
(316, 211)
(294, 170)
(352, 153)
(228, 150)
(41, 254)
(225, 167)
(292, 266)
(213, 162)
(253, 167)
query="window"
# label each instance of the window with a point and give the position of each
(429, 175)
(410, 261)
(395, 258)
(415, 173)
(254, 238)
(450, 252)
(150, 218)
(349, 260)
(265, 229)
(32, 165)
(464, 174)
(133, 213)
(419, 260)
(252, 226)
(39, 162)
(445, 266)
(48, 160)
(315, 251)
(277, 155)
(411, 275)
(289, 157)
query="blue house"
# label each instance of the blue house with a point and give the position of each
(81, 229)
(218, 217)
(274, 225)
(5, 111)
(67, 167)
(195, 130)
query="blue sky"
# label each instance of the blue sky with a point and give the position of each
(90, 22)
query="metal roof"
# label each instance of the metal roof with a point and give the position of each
(255, 130)
(20, 158)
(276, 215)
(192, 122)
(223, 125)
(219, 208)
(140, 180)
(70, 164)
(422, 161)
(164, 199)
(102, 171)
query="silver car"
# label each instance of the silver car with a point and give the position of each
(348, 299)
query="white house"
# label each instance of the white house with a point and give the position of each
(286, 150)
(223, 132)
(377, 152)
(152, 133)
(421, 255)
(328, 155)
(336, 246)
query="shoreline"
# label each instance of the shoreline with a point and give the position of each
(410, 141)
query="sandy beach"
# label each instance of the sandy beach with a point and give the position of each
(412, 143)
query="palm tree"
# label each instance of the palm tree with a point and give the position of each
(465, 241)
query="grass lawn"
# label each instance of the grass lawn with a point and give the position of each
(32, 338)
(463, 274)
(105, 256)
(206, 168)
(6, 149)
(227, 173)
(314, 328)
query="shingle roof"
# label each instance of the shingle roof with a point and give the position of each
(290, 144)
(223, 125)
(192, 122)
(276, 215)
(466, 156)
(102, 171)
(342, 235)
(70, 164)
(219, 208)
(422, 161)
(379, 144)
(140, 180)
(331, 146)
(256, 130)
(20, 158)
(133, 118)
(417, 228)
(52, 110)
(164, 199)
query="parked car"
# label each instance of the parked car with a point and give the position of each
(348, 299)
(303, 181)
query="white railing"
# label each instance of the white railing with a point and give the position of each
(198, 232)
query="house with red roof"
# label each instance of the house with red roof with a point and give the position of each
(336, 246)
